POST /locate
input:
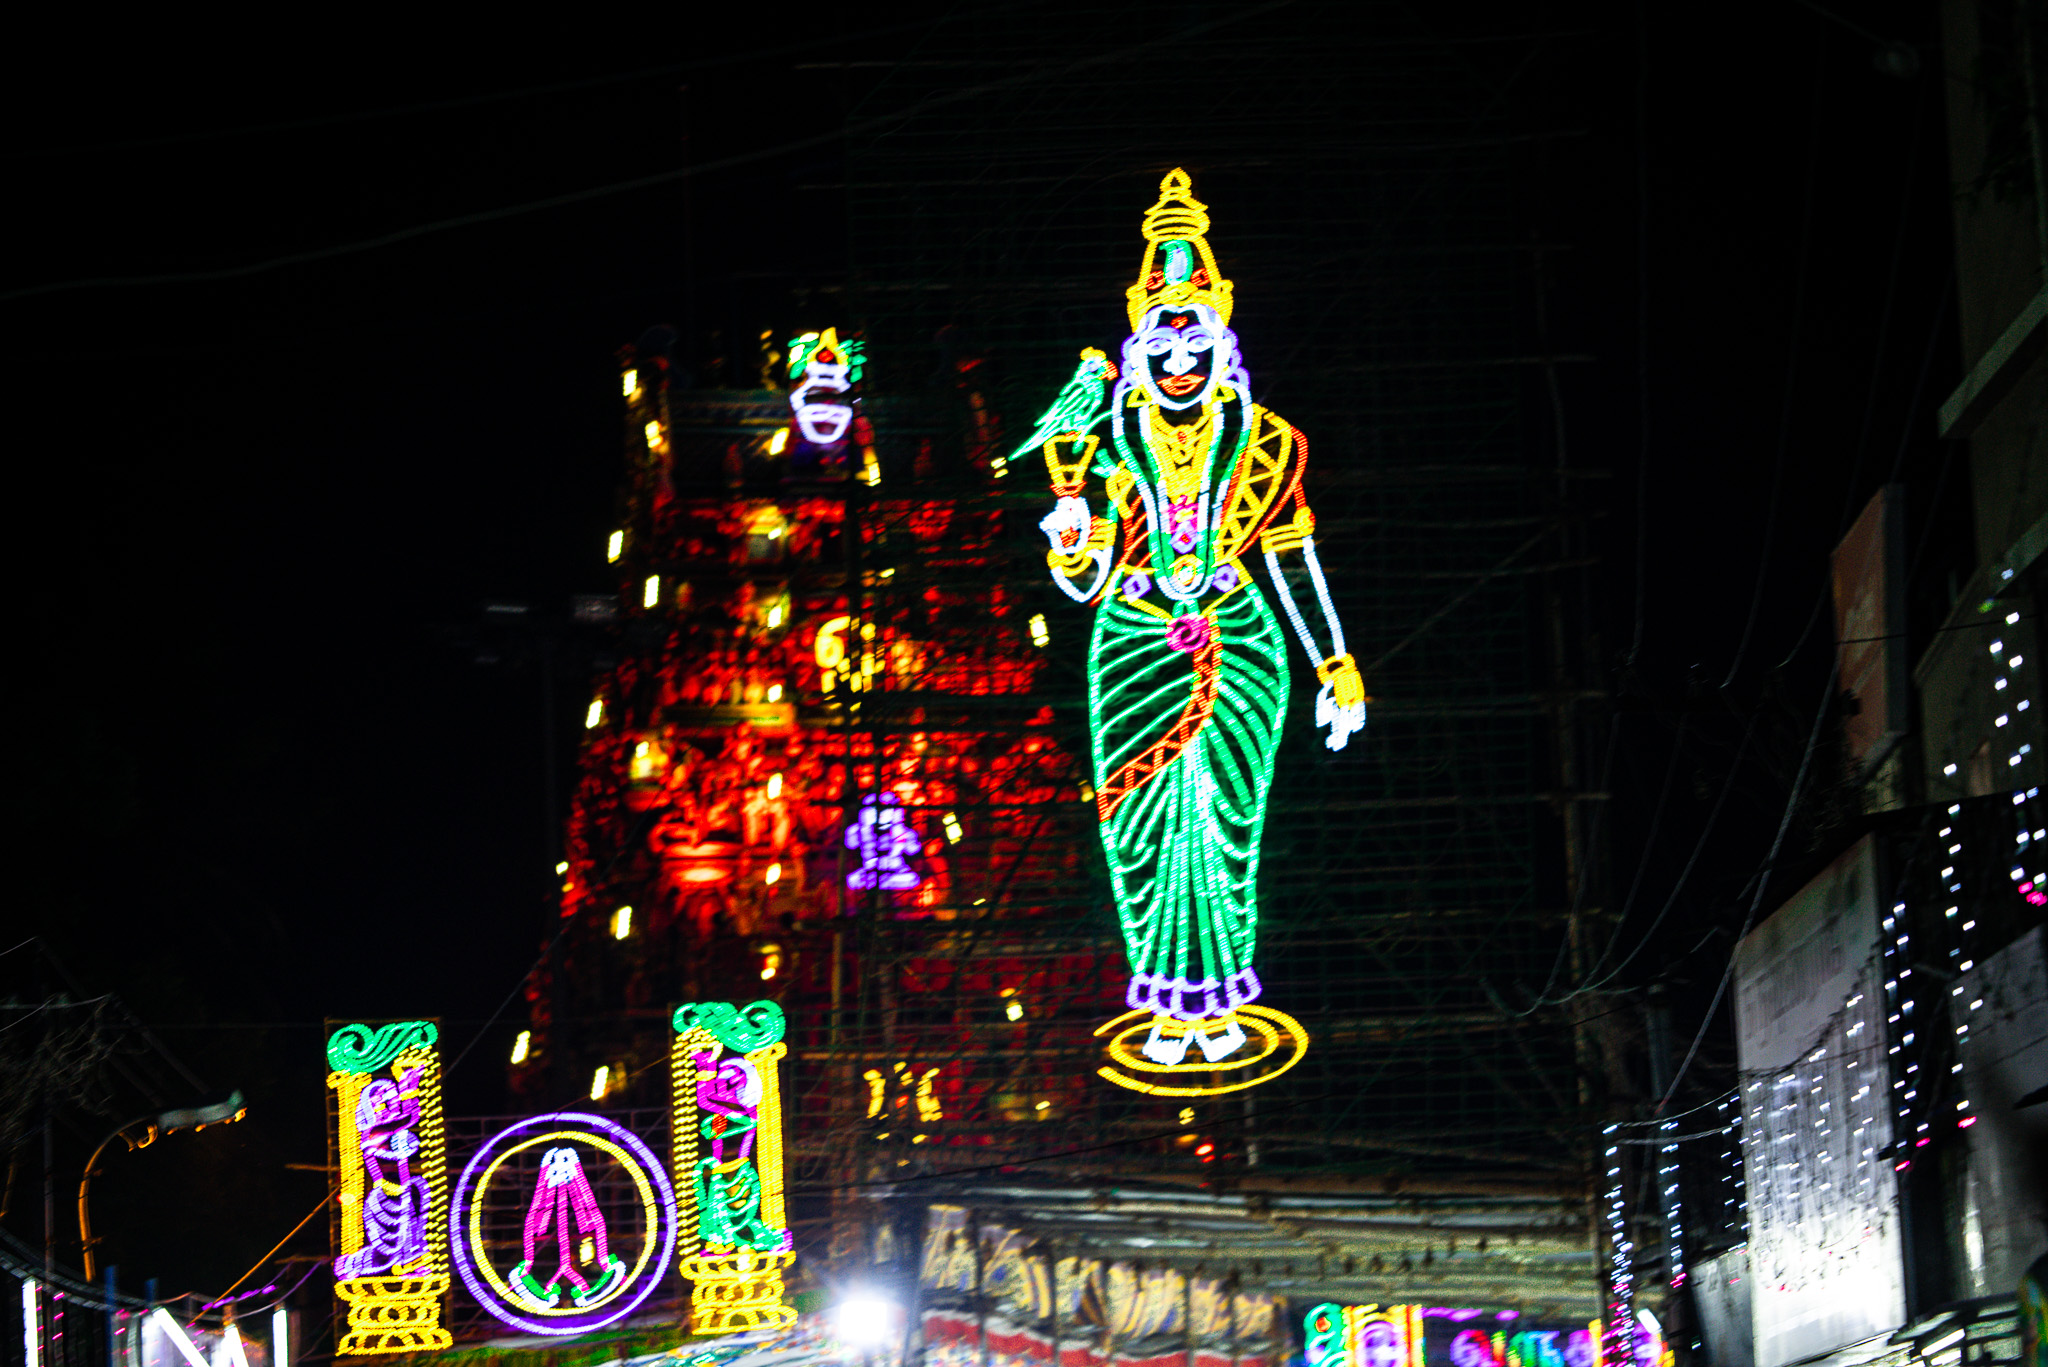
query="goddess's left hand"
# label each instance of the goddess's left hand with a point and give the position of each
(1340, 703)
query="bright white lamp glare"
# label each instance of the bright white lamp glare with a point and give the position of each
(865, 1318)
(31, 1339)
(622, 923)
(280, 1337)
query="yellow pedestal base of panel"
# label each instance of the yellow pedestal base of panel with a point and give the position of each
(1273, 1042)
(737, 1291)
(393, 1315)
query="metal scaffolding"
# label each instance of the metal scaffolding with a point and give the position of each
(1381, 220)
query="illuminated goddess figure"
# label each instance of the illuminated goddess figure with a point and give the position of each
(395, 1199)
(1188, 674)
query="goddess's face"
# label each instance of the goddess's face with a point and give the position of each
(1179, 355)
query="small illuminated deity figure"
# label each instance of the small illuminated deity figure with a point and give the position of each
(728, 1185)
(564, 1205)
(1188, 672)
(1380, 1345)
(885, 842)
(823, 369)
(395, 1198)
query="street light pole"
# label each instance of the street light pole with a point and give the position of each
(161, 1124)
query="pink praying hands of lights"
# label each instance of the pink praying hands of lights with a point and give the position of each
(884, 841)
(564, 1205)
(394, 1199)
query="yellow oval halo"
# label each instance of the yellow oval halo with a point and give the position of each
(1277, 1033)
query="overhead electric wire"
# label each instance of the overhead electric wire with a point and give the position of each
(1642, 93)
(482, 216)
(1820, 713)
(324, 1199)
(1801, 272)
(497, 96)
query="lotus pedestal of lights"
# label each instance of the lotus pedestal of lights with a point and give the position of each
(577, 1265)
(728, 1156)
(1187, 664)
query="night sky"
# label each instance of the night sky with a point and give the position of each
(257, 779)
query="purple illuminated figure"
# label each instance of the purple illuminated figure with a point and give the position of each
(564, 1204)
(885, 841)
(394, 1198)
(1471, 1348)
(1380, 1345)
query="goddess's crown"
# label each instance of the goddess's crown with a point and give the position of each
(1178, 269)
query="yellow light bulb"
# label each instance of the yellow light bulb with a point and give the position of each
(1039, 634)
(775, 617)
(650, 593)
(953, 831)
(593, 717)
(600, 1082)
(629, 383)
(653, 434)
(774, 875)
(562, 866)
(774, 786)
(522, 1046)
(778, 443)
(614, 547)
(622, 923)
(1015, 1011)
(774, 692)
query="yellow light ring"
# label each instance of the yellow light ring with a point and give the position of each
(1269, 1025)
(650, 1214)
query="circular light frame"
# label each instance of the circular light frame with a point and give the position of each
(649, 1265)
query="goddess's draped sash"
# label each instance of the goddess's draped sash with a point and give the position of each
(1183, 758)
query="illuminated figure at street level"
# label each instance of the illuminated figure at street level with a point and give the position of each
(1188, 674)
(390, 1161)
(727, 1134)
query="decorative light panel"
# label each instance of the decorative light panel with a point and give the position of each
(728, 1163)
(1188, 670)
(390, 1151)
(823, 369)
(1364, 1336)
(577, 1266)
